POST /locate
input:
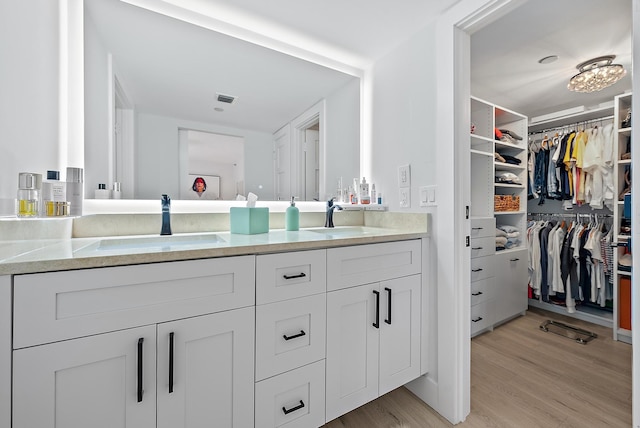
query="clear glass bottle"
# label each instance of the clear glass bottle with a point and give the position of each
(28, 196)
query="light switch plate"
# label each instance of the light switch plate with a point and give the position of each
(428, 196)
(405, 197)
(404, 176)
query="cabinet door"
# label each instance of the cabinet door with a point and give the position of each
(103, 381)
(352, 349)
(511, 282)
(205, 371)
(399, 332)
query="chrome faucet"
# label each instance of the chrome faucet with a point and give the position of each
(166, 215)
(330, 208)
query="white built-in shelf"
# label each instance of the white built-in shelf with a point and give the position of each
(624, 130)
(624, 162)
(508, 212)
(624, 273)
(509, 145)
(481, 153)
(513, 186)
(506, 166)
(480, 137)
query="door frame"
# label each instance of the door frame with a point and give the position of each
(453, 32)
(298, 125)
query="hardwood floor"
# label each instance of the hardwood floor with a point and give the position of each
(524, 377)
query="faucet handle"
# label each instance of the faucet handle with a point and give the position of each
(165, 199)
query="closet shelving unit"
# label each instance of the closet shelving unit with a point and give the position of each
(621, 279)
(613, 111)
(498, 279)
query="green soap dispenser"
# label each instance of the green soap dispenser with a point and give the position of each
(292, 217)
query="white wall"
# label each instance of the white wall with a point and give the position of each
(403, 118)
(29, 93)
(157, 156)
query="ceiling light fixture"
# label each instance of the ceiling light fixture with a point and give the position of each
(596, 74)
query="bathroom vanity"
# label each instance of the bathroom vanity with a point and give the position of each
(238, 331)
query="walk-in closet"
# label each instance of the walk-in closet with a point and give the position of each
(550, 190)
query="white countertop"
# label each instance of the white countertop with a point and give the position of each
(44, 255)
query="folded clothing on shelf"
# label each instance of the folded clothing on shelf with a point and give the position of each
(510, 133)
(507, 178)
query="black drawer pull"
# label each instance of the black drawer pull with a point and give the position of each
(476, 248)
(388, 320)
(300, 275)
(140, 368)
(477, 293)
(477, 270)
(515, 260)
(477, 228)
(302, 333)
(476, 319)
(376, 324)
(293, 409)
(171, 362)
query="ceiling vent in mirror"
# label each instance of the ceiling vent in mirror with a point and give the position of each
(229, 99)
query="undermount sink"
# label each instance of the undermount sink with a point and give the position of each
(164, 242)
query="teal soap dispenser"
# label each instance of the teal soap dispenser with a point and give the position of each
(292, 217)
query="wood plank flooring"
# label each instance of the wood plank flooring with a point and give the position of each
(524, 377)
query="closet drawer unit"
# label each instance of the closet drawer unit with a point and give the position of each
(483, 227)
(482, 267)
(292, 399)
(481, 317)
(289, 334)
(485, 246)
(290, 275)
(54, 306)
(364, 264)
(482, 290)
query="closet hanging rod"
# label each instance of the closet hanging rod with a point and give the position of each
(569, 215)
(571, 125)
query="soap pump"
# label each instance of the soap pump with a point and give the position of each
(292, 216)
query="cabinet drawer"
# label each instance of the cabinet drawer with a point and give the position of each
(481, 227)
(294, 398)
(481, 247)
(482, 267)
(481, 316)
(62, 305)
(289, 334)
(364, 264)
(482, 290)
(290, 275)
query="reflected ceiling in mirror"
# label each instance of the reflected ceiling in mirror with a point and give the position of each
(176, 69)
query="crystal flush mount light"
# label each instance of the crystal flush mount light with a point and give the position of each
(596, 74)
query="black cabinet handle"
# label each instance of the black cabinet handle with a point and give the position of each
(476, 319)
(302, 333)
(515, 260)
(171, 362)
(476, 228)
(140, 389)
(388, 320)
(477, 270)
(300, 275)
(477, 293)
(293, 409)
(376, 324)
(476, 248)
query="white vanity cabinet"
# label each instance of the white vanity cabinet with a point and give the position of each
(5, 351)
(373, 322)
(94, 347)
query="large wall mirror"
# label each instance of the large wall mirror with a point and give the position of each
(151, 81)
